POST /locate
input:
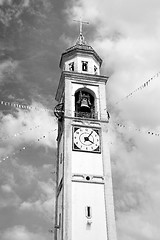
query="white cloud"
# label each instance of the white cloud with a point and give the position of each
(19, 233)
(7, 68)
(128, 17)
(4, 1)
(26, 3)
(6, 188)
(20, 183)
(8, 197)
(44, 205)
(35, 127)
(129, 223)
(25, 173)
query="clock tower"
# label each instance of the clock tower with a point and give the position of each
(84, 193)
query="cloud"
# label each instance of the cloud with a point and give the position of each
(27, 189)
(26, 3)
(44, 205)
(4, 1)
(36, 127)
(7, 67)
(14, 180)
(129, 223)
(135, 166)
(117, 15)
(6, 188)
(9, 200)
(8, 197)
(20, 232)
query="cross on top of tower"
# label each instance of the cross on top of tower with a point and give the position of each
(80, 39)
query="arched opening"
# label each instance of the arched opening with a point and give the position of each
(85, 103)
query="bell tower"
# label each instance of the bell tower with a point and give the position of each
(84, 196)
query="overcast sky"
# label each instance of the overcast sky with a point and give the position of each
(33, 35)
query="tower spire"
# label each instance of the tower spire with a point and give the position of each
(80, 39)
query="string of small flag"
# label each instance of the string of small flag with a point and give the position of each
(146, 84)
(25, 147)
(24, 107)
(137, 129)
(18, 133)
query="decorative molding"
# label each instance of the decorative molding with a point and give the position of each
(87, 178)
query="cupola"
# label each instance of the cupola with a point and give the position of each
(81, 58)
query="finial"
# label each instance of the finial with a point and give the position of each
(80, 39)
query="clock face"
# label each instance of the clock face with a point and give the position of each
(86, 139)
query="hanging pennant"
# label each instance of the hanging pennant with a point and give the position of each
(16, 105)
(141, 87)
(26, 147)
(139, 130)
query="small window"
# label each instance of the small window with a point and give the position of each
(95, 70)
(60, 220)
(61, 158)
(88, 212)
(71, 66)
(84, 66)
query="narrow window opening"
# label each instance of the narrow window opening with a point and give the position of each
(95, 70)
(88, 212)
(61, 158)
(58, 225)
(84, 66)
(59, 220)
(71, 66)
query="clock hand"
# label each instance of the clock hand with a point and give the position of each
(90, 134)
(90, 141)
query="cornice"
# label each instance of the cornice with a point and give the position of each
(79, 78)
(80, 49)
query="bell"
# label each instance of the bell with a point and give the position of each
(84, 105)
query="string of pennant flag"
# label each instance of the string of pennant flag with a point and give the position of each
(25, 147)
(24, 107)
(146, 84)
(18, 133)
(28, 107)
(137, 129)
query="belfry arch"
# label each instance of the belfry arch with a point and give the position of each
(85, 103)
